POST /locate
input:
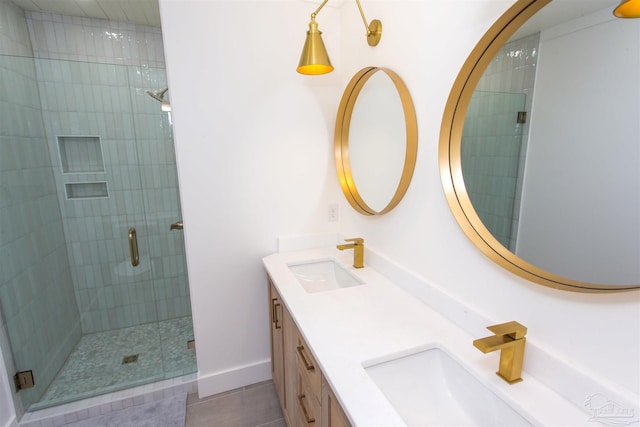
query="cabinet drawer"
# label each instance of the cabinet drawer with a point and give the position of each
(308, 368)
(309, 409)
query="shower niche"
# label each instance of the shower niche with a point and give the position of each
(80, 154)
(86, 190)
(81, 158)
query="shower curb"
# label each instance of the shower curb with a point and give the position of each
(83, 409)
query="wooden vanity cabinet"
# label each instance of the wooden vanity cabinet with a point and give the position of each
(290, 376)
(283, 358)
(277, 341)
(305, 396)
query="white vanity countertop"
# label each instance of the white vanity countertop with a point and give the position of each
(350, 328)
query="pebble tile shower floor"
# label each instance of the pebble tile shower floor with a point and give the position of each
(96, 364)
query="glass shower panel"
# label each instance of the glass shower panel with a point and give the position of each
(38, 314)
(490, 152)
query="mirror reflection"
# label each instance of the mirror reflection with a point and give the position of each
(550, 149)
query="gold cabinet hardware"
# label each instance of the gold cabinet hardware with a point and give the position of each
(310, 420)
(133, 247)
(275, 305)
(177, 226)
(509, 339)
(357, 244)
(308, 366)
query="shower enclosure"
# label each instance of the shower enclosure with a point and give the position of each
(87, 175)
(495, 138)
(491, 160)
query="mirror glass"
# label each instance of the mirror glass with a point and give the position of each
(543, 152)
(375, 140)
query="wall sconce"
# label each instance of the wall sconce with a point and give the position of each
(315, 59)
(628, 9)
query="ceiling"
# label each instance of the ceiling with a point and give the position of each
(145, 12)
(563, 11)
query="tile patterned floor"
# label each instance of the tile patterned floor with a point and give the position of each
(251, 406)
(96, 366)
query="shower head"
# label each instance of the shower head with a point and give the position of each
(159, 96)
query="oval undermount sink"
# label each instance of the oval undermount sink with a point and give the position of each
(323, 275)
(431, 388)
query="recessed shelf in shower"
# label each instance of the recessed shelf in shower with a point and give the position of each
(80, 154)
(86, 190)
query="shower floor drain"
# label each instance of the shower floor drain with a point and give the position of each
(130, 359)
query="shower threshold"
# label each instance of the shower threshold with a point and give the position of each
(103, 404)
(95, 366)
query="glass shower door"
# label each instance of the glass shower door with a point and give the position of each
(107, 155)
(161, 199)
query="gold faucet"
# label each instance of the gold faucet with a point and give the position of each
(509, 339)
(358, 250)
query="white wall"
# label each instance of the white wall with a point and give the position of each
(253, 162)
(254, 147)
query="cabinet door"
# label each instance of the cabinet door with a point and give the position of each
(332, 413)
(290, 371)
(277, 343)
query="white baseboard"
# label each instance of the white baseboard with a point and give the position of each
(231, 379)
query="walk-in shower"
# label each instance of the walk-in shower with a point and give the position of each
(86, 155)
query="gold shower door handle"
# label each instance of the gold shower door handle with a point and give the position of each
(177, 226)
(133, 247)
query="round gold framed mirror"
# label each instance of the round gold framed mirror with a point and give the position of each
(376, 141)
(608, 250)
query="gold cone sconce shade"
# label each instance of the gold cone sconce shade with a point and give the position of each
(628, 9)
(314, 59)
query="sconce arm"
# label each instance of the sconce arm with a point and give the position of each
(313, 15)
(374, 30)
(364, 20)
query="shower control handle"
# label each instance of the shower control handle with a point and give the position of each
(177, 226)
